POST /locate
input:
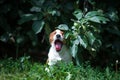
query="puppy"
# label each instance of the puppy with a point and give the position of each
(58, 50)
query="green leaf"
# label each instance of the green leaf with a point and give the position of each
(25, 18)
(93, 13)
(90, 37)
(63, 27)
(74, 50)
(38, 26)
(82, 42)
(98, 19)
(78, 14)
(67, 35)
(75, 47)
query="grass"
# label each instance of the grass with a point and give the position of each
(23, 69)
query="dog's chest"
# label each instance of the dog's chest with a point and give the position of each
(63, 55)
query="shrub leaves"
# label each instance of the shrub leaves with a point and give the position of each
(37, 26)
(63, 27)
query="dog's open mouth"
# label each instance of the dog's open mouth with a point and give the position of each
(58, 45)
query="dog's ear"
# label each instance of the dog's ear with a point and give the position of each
(51, 36)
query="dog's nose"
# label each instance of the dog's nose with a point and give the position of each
(58, 36)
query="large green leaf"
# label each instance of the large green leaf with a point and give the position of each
(90, 37)
(78, 14)
(82, 42)
(38, 26)
(93, 13)
(98, 19)
(74, 50)
(63, 27)
(25, 18)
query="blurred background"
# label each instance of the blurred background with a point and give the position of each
(92, 29)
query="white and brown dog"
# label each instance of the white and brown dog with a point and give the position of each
(58, 50)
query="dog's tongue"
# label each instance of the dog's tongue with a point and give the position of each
(58, 46)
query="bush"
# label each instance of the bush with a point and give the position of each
(91, 26)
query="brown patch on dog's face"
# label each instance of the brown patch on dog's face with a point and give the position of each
(51, 36)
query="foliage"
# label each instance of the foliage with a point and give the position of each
(11, 70)
(84, 32)
(91, 27)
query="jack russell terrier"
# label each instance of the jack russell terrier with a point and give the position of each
(58, 50)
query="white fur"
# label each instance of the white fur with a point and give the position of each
(55, 56)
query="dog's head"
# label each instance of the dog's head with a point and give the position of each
(57, 39)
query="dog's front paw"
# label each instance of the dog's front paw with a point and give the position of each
(47, 69)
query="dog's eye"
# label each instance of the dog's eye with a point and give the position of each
(54, 32)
